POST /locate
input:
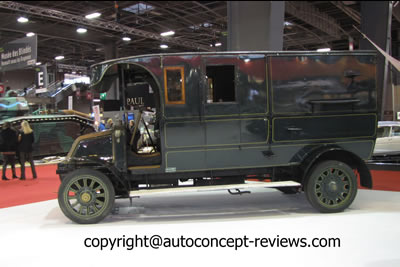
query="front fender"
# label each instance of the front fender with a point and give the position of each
(74, 163)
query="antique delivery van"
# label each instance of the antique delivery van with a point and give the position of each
(303, 121)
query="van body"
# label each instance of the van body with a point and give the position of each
(302, 121)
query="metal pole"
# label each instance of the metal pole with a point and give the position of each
(386, 70)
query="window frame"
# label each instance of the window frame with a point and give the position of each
(182, 71)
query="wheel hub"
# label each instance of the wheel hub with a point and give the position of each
(332, 186)
(85, 197)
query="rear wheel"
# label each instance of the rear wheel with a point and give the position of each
(86, 196)
(331, 186)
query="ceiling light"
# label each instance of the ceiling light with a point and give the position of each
(169, 33)
(218, 44)
(126, 38)
(59, 57)
(81, 30)
(324, 49)
(23, 19)
(287, 24)
(93, 15)
(38, 63)
(30, 34)
(163, 46)
(247, 60)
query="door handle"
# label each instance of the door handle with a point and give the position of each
(294, 129)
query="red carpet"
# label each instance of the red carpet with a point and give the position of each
(386, 180)
(16, 192)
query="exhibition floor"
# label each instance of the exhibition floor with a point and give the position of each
(39, 234)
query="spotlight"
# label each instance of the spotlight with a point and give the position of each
(93, 15)
(168, 33)
(22, 19)
(324, 50)
(81, 30)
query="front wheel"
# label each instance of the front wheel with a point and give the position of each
(331, 186)
(86, 196)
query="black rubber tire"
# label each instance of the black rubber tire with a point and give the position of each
(331, 186)
(86, 190)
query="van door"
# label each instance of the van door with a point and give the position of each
(184, 131)
(235, 109)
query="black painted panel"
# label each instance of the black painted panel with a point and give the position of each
(323, 127)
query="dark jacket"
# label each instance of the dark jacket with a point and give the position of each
(9, 140)
(25, 145)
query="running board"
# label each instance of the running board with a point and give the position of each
(205, 188)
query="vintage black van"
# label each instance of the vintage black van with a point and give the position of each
(303, 120)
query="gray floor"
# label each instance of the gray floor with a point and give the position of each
(40, 235)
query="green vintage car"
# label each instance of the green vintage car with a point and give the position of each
(305, 120)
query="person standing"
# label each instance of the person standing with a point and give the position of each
(9, 148)
(109, 124)
(26, 139)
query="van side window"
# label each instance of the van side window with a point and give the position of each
(174, 85)
(221, 83)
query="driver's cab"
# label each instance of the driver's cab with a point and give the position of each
(134, 141)
(141, 117)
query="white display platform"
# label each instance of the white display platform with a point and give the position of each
(40, 235)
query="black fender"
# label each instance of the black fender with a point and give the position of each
(96, 164)
(334, 152)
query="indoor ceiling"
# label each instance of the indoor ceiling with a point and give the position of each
(198, 25)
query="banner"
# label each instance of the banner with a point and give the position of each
(70, 102)
(96, 111)
(18, 54)
(392, 60)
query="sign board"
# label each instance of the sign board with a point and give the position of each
(40, 78)
(139, 94)
(18, 54)
(70, 101)
(398, 115)
(41, 90)
(1, 88)
(72, 67)
(96, 111)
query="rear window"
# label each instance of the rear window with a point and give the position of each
(396, 131)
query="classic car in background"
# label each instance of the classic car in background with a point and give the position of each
(54, 134)
(388, 138)
(11, 107)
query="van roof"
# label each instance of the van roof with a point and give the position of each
(354, 52)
